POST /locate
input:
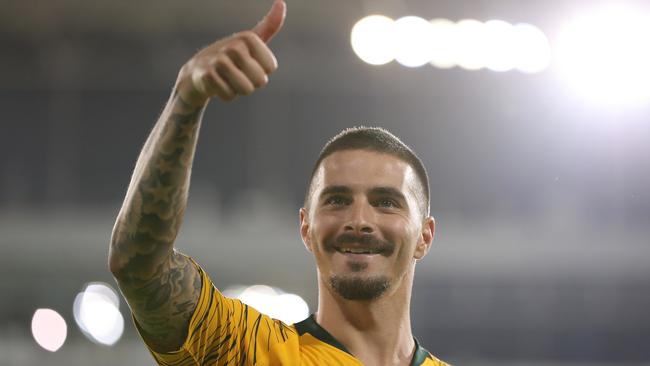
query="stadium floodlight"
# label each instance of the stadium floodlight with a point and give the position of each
(412, 41)
(372, 39)
(471, 48)
(501, 47)
(533, 49)
(470, 44)
(605, 56)
(443, 43)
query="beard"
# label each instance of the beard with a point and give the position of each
(358, 288)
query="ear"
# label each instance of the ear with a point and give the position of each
(426, 238)
(304, 228)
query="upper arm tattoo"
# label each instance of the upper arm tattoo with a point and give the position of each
(163, 304)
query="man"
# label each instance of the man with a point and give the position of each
(365, 219)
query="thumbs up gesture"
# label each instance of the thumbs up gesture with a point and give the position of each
(232, 66)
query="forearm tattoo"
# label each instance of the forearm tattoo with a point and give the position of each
(160, 285)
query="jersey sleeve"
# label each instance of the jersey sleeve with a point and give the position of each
(225, 331)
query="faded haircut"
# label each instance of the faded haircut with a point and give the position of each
(379, 140)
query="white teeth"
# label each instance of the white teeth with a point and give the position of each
(355, 251)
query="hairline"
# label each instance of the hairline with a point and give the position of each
(420, 189)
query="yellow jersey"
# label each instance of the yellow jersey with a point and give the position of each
(225, 331)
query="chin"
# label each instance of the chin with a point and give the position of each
(359, 287)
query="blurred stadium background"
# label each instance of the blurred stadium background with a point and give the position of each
(539, 178)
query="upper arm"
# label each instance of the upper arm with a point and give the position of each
(163, 304)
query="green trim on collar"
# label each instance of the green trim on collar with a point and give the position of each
(420, 354)
(310, 326)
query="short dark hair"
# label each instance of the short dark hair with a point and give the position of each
(379, 140)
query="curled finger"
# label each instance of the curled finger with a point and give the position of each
(233, 76)
(221, 87)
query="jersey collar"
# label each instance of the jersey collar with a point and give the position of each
(310, 326)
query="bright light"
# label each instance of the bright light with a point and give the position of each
(413, 35)
(534, 51)
(105, 291)
(49, 329)
(500, 46)
(372, 39)
(605, 56)
(289, 308)
(258, 295)
(470, 44)
(96, 311)
(443, 43)
(470, 35)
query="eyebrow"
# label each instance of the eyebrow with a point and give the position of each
(376, 191)
(387, 191)
(334, 189)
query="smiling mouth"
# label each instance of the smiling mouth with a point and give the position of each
(357, 251)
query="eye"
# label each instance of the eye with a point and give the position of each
(336, 200)
(386, 203)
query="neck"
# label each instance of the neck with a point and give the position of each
(377, 332)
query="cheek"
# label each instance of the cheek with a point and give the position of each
(397, 228)
(404, 234)
(323, 228)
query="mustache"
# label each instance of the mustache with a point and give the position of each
(368, 241)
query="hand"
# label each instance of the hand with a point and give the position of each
(232, 66)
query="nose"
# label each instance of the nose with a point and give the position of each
(360, 218)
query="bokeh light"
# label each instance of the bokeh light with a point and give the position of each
(413, 39)
(471, 49)
(443, 43)
(49, 329)
(533, 49)
(605, 55)
(287, 307)
(372, 39)
(470, 44)
(96, 312)
(500, 41)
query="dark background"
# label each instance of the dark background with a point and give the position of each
(541, 197)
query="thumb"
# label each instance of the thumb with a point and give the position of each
(272, 22)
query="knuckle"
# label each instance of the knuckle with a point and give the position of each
(247, 35)
(205, 78)
(237, 51)
(197, 82)
(221, 63)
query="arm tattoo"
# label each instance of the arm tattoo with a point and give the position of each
(164, 304)
(161, 286)
(153, 209)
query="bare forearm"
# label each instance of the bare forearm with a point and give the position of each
(155, 202)
(162, 286)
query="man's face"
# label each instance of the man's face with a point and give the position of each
(364, 225)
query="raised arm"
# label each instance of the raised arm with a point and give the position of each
(160, 285)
